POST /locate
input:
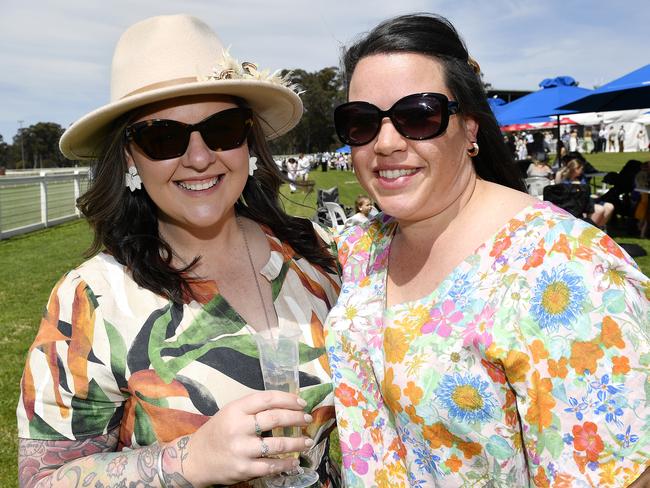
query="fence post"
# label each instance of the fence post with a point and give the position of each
(43, 185)
(77, 191)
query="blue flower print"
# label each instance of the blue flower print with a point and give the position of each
(558, 298)
(627, 438)
(611, 410)
(603, 388)
(576, 407)
(466, 397)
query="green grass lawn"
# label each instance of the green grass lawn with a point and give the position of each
(31, 264)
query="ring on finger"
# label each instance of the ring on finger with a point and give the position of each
(265, 448)
(258, 430)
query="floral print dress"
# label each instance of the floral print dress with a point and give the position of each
(110, 354)
(526, 366)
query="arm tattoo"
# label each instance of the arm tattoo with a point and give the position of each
(93, 463)
(176, 453)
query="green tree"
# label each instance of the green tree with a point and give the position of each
(5, 153)
(323, 90)
(39, 143)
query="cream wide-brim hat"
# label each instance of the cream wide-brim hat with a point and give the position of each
(171, 56)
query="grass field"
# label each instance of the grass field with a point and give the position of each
(31, 264)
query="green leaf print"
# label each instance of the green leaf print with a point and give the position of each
(553, 442)
(315, 395)
(38, 429)
(143, 431)
(91, 415)
(499, 447)
(276, 284)
(118, 349)
(614, 301)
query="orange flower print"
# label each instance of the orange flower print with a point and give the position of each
(610, 334)
(412, 413)
(500, 246)
(535, 259)
(369, 417)
(541, 479)
(391, 392)
(396, 345)
(516, 365)
(562, 246)
(541, 402)
(558, 369)
(584, 356)
(413, 392)
(538, 350)
(454, 463)
(494, 372)
(437, 435)
(621, 364)
(346, 395)
(610, 247)
(586, 438)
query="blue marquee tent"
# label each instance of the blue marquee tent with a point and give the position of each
(628, 92)
(537, 106)
(343, 149)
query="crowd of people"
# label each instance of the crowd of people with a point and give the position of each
(468, 334)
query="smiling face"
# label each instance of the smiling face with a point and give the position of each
(196, 191)
(410, 180)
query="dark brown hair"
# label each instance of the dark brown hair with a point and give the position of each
(433, 35)
(126, 223)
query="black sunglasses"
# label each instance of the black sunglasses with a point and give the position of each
(166, 139)
(418, 116)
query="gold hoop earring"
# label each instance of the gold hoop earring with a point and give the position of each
(473, 151)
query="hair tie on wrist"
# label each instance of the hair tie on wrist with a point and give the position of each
(159, 468)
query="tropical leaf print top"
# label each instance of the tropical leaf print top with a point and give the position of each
(111, 354)
(527, 365)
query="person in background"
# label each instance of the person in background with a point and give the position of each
(621, 139)
(362, 207)
(144, 372)
(539, 167)
(292, 173)
(304, 167)
(602, 139)
(482, 337)
(642, 210)
(573, 174)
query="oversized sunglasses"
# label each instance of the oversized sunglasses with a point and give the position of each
(166, 139)
(418, 116)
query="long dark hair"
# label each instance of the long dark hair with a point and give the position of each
(434, 36)
(126, 223)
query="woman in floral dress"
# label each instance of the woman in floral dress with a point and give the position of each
(481, 337)
(144, 372)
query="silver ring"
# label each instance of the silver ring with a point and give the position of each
(265, 449)
(258, 430)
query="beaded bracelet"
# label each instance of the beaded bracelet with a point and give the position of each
(159, 468)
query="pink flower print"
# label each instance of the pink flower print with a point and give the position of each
(355, 456)
(478, 331)
(442, 318)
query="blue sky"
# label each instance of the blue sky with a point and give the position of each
(55, 54)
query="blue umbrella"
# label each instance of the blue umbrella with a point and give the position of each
(625, 93)
(537, 106)
(343, 149)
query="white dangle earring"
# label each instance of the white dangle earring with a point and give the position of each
(252, 165)
(132, 179)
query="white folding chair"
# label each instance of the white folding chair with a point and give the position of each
(336, 215)
(535, 185)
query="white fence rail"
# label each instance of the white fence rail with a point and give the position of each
(28, 203)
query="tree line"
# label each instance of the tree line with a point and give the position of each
(37, 146)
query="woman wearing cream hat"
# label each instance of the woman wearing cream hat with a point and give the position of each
(144, 371)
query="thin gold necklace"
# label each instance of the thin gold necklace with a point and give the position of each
(257, 283)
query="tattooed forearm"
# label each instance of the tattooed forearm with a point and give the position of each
(93, 463)
(172, 464)
(38, 459)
